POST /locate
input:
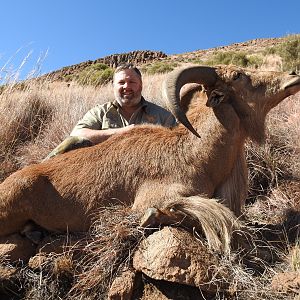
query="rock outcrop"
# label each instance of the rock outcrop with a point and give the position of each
(134, 57)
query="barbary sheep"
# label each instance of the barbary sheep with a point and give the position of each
(174, 171)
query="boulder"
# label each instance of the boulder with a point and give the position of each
(175, 255)
(123, 285)
(286, 282)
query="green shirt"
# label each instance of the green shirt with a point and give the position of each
(107, 115)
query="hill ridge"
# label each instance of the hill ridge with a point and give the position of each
(141, 57)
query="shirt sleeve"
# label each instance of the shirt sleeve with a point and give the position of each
(92, 120)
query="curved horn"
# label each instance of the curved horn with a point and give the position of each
(176, 80)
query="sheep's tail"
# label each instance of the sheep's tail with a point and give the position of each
(203, 215)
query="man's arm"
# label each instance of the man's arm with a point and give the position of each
(90, 126)
(97, 136)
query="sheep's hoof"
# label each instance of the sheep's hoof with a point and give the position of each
(150, 218)
(154, 217)
(33, 232)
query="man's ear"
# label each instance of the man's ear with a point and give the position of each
(215, 98)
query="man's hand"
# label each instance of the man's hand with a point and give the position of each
(70, 143)
(124, 129)
(98, 136)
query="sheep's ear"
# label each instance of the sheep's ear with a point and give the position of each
(215, 98)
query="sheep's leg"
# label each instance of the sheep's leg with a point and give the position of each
(167, 205)
(16, 247)
(157, 194)
(152, 201)
(15, 206)
(28, 196)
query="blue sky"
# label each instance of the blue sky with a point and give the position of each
(66, 32)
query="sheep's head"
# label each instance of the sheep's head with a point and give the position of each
(261, 90)
(252, 93)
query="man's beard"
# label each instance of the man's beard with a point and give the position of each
(131, 101)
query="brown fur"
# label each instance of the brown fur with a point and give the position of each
(151, 165)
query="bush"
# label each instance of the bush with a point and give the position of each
(289, 51)
(235, 58)
(255, 61)
(227, 58)
(160, 68)
(24, 116)
(99, 66)
(197, 61)
(95, 75)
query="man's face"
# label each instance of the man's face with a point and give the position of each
(127, 88)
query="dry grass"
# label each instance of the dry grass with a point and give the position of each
(84, 270)
(36, 118)
(295, 257)
(107, 253)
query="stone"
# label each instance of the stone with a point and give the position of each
(174, 255)
(123, 285)
(286, 282)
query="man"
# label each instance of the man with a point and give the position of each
(128, 109)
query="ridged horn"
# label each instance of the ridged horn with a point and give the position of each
(176, 80)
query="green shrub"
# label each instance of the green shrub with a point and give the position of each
(68, 78)
(197, 61)
(160, 67)
(254, 60)
(289, 51)
(99, 66)
(269, 50)
(234, 58)
(96, 74)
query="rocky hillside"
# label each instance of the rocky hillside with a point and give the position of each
(147, 57)
(135, 57)
(252, 46)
